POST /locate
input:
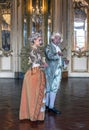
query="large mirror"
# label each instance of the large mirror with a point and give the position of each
(80, 25)
(5, 25)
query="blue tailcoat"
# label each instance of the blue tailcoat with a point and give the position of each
(54, 70)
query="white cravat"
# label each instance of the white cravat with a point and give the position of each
(57, 48)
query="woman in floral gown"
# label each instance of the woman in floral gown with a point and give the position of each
(32, 104)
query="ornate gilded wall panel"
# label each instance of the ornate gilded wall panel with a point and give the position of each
(80, 46)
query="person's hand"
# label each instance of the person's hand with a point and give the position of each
(45, 65)
(60, 53)
(66, 62)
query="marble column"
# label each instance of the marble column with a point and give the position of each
(17, 35)
(57, 15)
(45, 20)
(0, 31)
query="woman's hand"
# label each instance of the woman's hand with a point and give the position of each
(45, 65)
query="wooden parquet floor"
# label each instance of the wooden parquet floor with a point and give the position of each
(72, 100)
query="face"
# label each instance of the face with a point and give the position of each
(56, 40)
(38, 41)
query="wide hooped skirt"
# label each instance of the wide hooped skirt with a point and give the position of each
(32, 95)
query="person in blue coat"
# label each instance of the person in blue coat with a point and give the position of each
(53, 71)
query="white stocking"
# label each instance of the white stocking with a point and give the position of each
(52, 99)
(47, 99)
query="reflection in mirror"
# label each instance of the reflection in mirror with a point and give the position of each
(24, 23)
(80, 35)
(80, 25)
(37, 16)
(25, 31)
(5, 25)
(6, 32)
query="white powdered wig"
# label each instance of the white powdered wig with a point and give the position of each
(57, 34)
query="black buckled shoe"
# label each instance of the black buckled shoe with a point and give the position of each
(47, 107)
(54, 110)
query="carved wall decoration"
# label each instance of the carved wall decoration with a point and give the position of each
(6, 53)
(80, 53)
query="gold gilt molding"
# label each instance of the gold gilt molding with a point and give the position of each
(5, 53)
(80, 53)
